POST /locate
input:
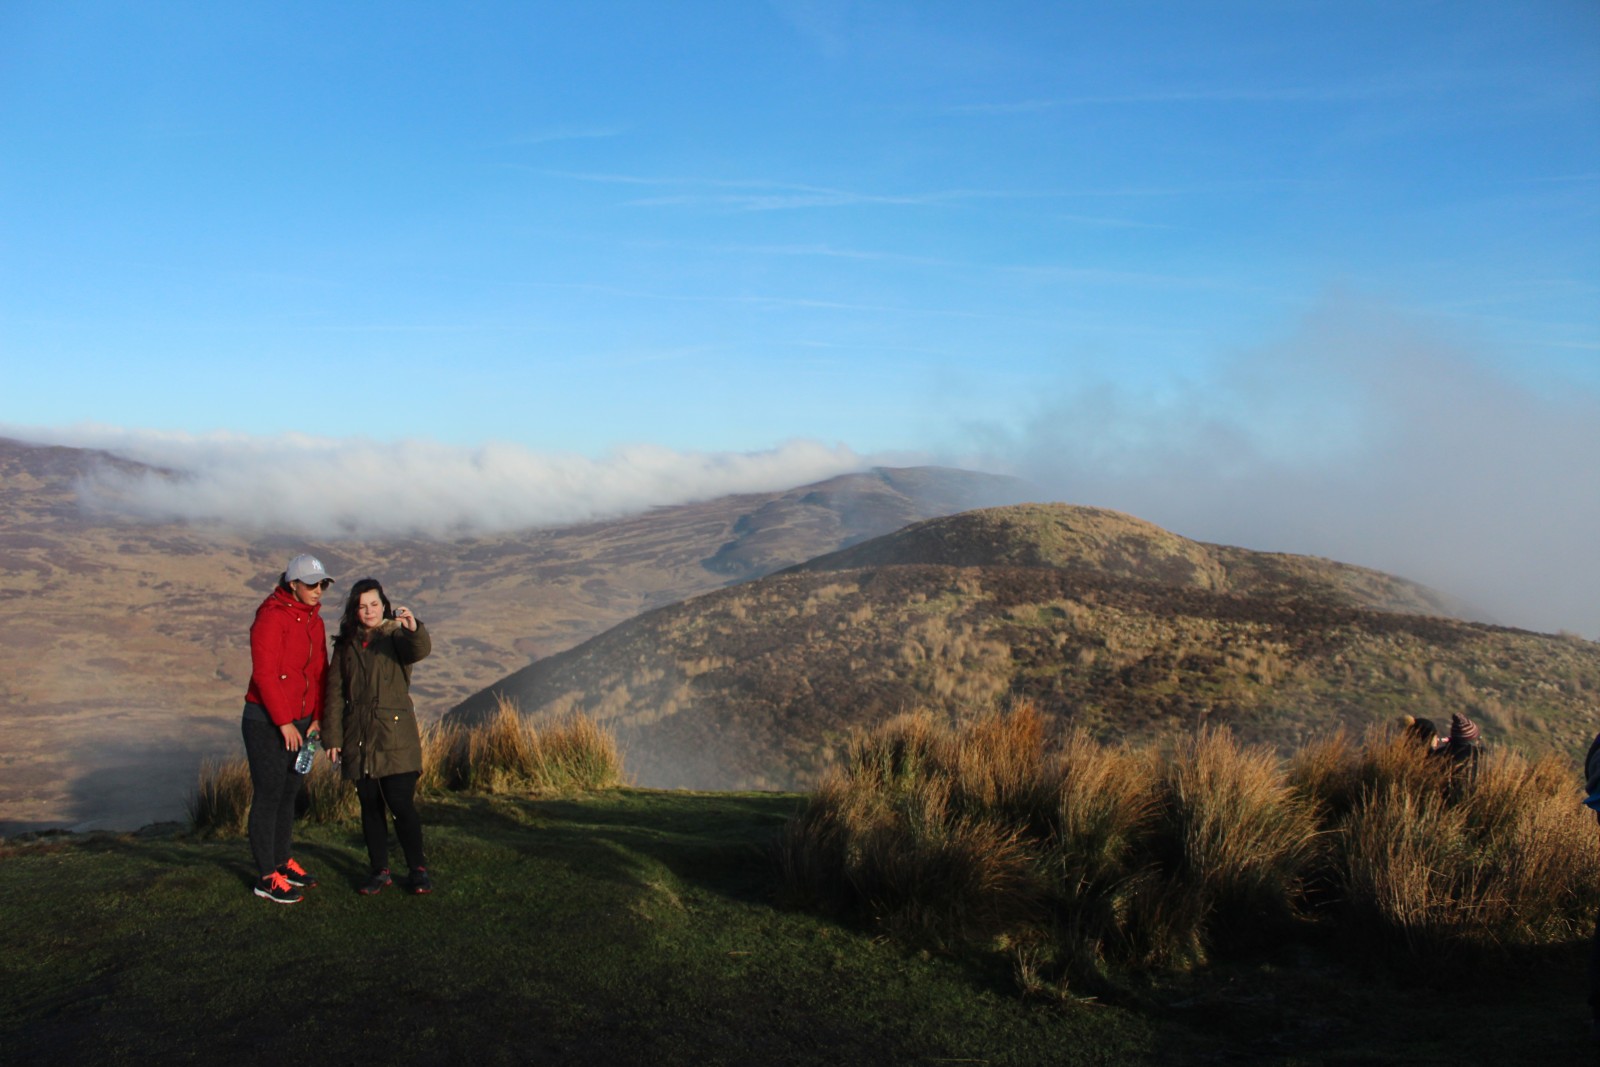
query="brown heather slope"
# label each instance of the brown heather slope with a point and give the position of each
(123, 645)
(1102, 619)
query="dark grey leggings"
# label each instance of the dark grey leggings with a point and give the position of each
(276, 785)
(394, 791)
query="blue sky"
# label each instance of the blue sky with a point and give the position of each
(721, 225)
(1261, 244)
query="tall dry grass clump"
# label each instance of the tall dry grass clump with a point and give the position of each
(329, 797)
(506, 754)
(1085, 856)
(1000, 769)
(1429, 854)
(1335, 771)
(903, 751)
(1399, 853)
(1089, 854)
(1506, 858)
(220, 802)
(921, 829)
(1234, 839)
(581, 754)
(1095, 858)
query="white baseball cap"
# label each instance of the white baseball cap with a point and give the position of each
(307, 569)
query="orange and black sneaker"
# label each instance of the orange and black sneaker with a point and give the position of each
(297, 875)
(276, 888)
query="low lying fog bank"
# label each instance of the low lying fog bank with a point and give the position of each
(1360, 438)
(353, 487)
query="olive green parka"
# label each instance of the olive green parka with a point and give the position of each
(367, 711)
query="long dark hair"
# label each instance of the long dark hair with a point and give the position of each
(349, 626)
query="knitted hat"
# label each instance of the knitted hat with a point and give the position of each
(1462, 729)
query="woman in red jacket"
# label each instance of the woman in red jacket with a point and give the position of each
(288, 660)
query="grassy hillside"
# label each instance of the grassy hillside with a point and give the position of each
(1103, 621)
(635, 927)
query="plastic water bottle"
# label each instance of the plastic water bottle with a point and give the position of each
(308, 753)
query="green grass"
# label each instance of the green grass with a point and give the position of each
(637, 927)
(627, 927)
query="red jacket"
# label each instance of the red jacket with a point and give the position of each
(288, 658)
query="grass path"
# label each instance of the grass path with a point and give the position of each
(630, 927)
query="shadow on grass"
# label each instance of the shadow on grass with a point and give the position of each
(717, 844)
(720, 844)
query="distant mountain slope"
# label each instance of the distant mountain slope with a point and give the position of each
(852, 508)
(124, 653)
(1103, 619)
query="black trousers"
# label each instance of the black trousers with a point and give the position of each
(275, 786)
(1594, 971)
(396, 793)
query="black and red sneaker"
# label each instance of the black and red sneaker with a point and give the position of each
(379, 881)
(419, 883)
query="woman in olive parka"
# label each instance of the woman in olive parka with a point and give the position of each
(370, 726)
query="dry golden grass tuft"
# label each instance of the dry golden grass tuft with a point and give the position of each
(1235, 837)
(1083, 856)
(509, 754)
(1505, 858)
(505, 754)
(220, 802)
(1105, 808)
(923, 830)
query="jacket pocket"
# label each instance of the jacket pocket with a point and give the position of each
(400, 731)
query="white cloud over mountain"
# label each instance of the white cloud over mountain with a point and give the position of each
(1364, 437)
(328, 487)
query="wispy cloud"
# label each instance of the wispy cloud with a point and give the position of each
(566, 133)
(1122, 278)
(1414, 84)
(1023, 107)
(760, 194)
(1111, 223)
(798, 199)
(1050, 272)
(823, 251)
(1566, 179)
(340, 487)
